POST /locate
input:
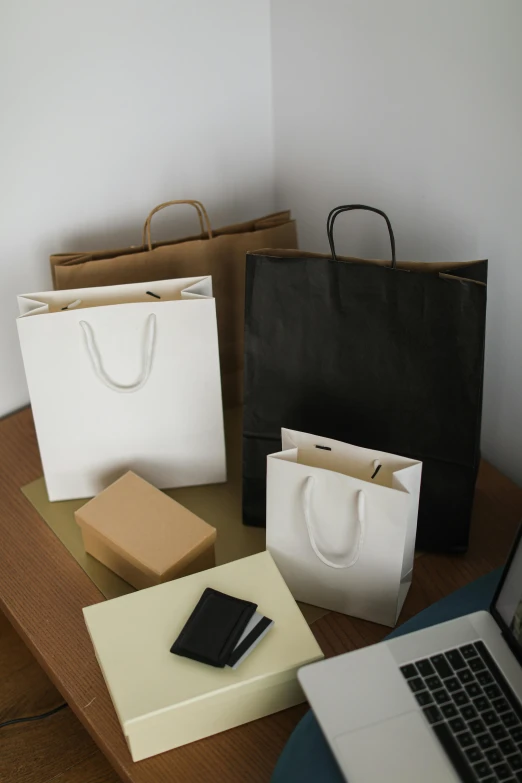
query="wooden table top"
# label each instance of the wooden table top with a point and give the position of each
(43, 591)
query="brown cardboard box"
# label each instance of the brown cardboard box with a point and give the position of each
(143, 535)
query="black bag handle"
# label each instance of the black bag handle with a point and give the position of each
(348, 208)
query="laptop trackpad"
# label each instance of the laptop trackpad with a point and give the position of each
(398, 750)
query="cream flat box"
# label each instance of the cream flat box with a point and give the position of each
(164, 701)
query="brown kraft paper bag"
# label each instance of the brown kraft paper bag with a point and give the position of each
(220, 253)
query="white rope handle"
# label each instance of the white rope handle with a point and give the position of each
(97, 364)
(307, 508)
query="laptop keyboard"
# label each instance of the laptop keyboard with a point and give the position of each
(472, 710)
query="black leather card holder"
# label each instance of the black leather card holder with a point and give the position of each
(214, 628)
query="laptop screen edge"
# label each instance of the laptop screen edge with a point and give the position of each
(507, 632)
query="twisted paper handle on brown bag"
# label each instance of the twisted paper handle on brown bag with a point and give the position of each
(204, 221)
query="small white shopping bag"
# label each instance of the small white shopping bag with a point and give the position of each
(341, 524)
(125, 378)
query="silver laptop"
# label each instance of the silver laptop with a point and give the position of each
(441, 704)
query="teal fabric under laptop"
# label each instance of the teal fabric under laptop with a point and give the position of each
(307, 757)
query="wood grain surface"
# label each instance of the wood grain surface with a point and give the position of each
(43, 590)
(57, 748)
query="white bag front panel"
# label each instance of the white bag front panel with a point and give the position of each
(375, 586)
(170, 431)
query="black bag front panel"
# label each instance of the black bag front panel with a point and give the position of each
(381, 358)
(255, 452)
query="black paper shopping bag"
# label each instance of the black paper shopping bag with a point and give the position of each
(384, 355)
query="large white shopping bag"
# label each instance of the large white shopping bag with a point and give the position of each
(124, 378)
(341, 523)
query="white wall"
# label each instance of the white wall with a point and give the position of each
(413, 106)
(110, 107)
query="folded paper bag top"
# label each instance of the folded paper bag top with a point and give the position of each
(143, 535)
(164, 700)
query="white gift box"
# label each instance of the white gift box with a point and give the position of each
(164, 700)
(341, 524)
(126, 378)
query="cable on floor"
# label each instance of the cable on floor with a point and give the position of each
(34, 717)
